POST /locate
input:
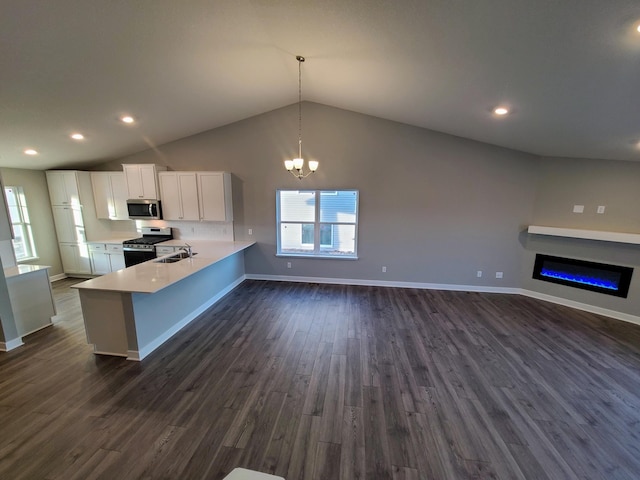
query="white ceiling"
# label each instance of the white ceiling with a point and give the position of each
(568, 69)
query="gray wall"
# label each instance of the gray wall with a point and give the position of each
(34, 183)
(433, 208)
(567, 182)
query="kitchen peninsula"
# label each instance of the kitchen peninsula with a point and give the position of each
(132, 311)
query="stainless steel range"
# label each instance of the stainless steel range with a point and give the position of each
(141, 249)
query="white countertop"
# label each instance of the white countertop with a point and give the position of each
(150, 277)
(23, 269)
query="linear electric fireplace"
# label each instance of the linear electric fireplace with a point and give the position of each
(597, 277)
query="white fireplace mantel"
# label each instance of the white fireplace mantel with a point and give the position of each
(619, 237)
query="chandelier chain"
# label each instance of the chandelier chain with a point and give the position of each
(296, 166)
(300, 60)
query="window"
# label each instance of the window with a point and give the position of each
(317, 223)
(326, 234)
(23, 244)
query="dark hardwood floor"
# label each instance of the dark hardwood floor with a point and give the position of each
(329, 382)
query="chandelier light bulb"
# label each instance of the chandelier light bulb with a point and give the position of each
(313, 165)
(288, 164)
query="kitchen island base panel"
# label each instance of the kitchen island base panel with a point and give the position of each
(105, 324)
(136, 324)
(137, 355)
(31, 298)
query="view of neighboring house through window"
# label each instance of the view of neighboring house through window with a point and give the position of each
(23, 244)
(321, 223)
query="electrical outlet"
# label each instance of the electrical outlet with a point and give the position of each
(251, 231)
(479, 273)
(600, 209)
(498, 274)
(384, 269)
(288, 264)
(578, 208)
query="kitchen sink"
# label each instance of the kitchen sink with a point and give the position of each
(174, 258)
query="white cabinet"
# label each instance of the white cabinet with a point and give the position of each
(75, 258)
(110, 195)
(63, 187)
(116, 256)
(106, 258)
(142, 180)
(214, 192)
(204, 196)
(73, 210)
(179, 194)
(100, 264)
(69, 224)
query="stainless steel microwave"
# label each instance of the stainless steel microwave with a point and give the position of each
(144, 209)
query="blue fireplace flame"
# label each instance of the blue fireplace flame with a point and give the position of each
(583, 279)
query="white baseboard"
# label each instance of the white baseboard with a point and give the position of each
(137, 355)
(384, 283)
(111, 354)
(11, 344)
(461, 288)
(626, 317)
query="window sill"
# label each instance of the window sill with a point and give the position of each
(26, 260)
(323, 257)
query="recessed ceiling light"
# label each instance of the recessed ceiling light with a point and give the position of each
(127, 119)
(31, 151)
(77, 136)
(500, 110)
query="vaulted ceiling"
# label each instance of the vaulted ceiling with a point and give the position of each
(569, 71)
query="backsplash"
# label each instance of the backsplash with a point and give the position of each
(220, 231)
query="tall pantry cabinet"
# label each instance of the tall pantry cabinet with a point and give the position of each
(71, 196)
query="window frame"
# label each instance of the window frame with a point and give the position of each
(26, 226)
(317, 247)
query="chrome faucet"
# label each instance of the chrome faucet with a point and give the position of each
(187, 248)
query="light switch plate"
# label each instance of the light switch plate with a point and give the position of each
(578, 208)
(600, 209)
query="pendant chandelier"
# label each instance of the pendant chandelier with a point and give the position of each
(296, 166)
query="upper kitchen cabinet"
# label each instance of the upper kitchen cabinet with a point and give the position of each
(204, 196)
(214, 195)
(142, 180)
(63, 187)
(179, 194)
(110, 195)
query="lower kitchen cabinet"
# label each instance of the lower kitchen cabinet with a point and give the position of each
(106, 258)
(75, 258)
